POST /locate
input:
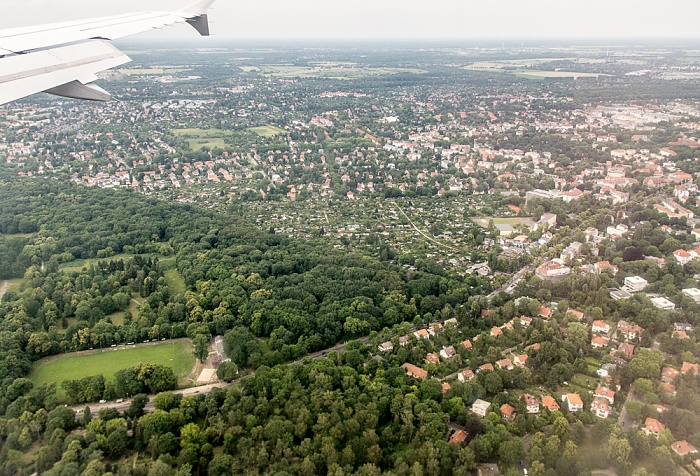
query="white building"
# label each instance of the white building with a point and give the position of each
(693, 293)
(600, 407)
(480, 407)
(635, 284)
(663, 303)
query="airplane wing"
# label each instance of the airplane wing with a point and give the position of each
(64, 58)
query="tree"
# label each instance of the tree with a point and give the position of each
(511, 451)
(138, 403)
(240, 345)
(647, 363)
(200, 344)
(221, 465)
(227, 371)
(619, 450)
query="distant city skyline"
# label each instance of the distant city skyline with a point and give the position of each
(398, 19)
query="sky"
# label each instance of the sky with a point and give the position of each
(395, 19)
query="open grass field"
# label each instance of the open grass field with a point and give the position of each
(535, 74)
(199, 138)
(172, 277)
(16, 235)
(79, 264)
(117, 318)
(331, 71)
(14, 285)
(484, 221)
(522, 68)
(267, 131)
(176, 354)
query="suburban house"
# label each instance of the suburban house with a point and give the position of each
(467, 344)
(573, 402)
(550, 403)
(627, 350)
(422, 334)
(459, 437)
(432, 358)
(531, 404)
(496, 331)
(508, 412)
(669, 389)
(600, 407)
(688, 367)
(628, 331)
(505, 364)
(600, 327)
(577, 314)
(520, 360)
(465, 375)
(606, 393)
(599, 342)
(414, 371)
(448, 352)
(486, 368)
(445, 387)
(669, 374)
(386, 347)
(652, 426)
(683, 448)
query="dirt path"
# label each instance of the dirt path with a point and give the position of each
(3, 288)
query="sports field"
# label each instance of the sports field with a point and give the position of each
(176, 354)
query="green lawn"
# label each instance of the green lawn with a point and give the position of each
(117, 318)
(199, 138)
(267, 131)
(175, 354)
(14, 285)
(172, 278)
(79, 264)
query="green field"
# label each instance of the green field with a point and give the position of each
(199, 138)
(176, 354)
(14, 285)
(267, 131)
(79, 264)
(172, 278)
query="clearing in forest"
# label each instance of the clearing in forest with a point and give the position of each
(175, 353)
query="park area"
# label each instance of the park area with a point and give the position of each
(176, 354)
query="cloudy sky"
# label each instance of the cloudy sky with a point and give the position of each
(493, 19)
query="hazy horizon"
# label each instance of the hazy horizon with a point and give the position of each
(394, 19)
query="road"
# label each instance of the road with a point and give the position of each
(624, 420)
(509, 285)
(96, 407)
(202, 389)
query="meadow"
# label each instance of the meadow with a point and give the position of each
(176, 354)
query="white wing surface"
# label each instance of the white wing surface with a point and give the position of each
(33, 59)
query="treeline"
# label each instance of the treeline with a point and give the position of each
(141, 378)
